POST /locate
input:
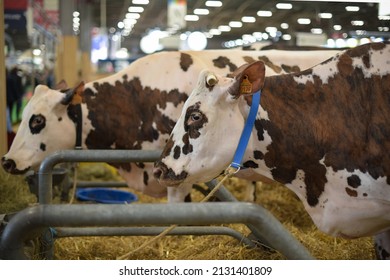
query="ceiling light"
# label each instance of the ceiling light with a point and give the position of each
(121, 24)
(129, 22)
(271, 29)
(352, 42)
(284, 6)
(352, 8)
(213, 4)
(330, 43)
(284, 25)
(197, 41)
(384, 17)
(316, 30)
(364, 41)
(215, 31)
(76, 14)
(224, 28)
(141, 2)
(134, 9)
(248, 19)
(235, 24)
(133, 15)
(304, 21)
(36, 52)
(248, 38)
(264, 13)
(191, 18)
(201, 11)
(239, 42)
(340, 43)
(257, 35)
(286, 37)
(337, 27)
(325, 15)
(357, 23)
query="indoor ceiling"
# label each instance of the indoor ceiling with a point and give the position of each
(323, 17)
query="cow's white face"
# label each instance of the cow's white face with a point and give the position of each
(45, 128)
(211, 112)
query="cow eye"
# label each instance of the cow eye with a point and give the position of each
(37, 120)
(196, 116)
(37, 123)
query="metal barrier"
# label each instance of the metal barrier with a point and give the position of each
(108, 219)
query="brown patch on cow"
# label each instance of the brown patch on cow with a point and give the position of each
(258, 155)
(176, 152)
(130, 112)
(250, 164)
(290, 69)
(343, 123)
(185, 61)
(223, 61)
(193, 128)
(249, 59)
(344, 65)
(187, 147)
(270, 64)
(42, 146)
(146, 178)
(354, 181)
(260, 130)
(169, 174)
(168, 147)
(351, 192)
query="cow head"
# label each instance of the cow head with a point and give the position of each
(206, 135)
(46, 127)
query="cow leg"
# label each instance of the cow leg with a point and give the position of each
(382, 245)
(178, 194)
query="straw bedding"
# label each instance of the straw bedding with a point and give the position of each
(281, 202)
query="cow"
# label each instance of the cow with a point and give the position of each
(135, 108)
(323, 132)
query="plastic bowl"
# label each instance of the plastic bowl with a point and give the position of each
(105, 195)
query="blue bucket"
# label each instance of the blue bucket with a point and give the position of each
(105, 195)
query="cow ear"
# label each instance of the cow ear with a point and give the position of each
(250, 78)
(73, 95)
(61, 85)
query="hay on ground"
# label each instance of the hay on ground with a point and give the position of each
(277, 199)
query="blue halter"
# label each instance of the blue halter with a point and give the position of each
(246, 133)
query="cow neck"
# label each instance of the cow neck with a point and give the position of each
(246, 132)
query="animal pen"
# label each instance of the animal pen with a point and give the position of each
(50, 221)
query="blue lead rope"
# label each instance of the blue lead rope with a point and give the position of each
(247, 131)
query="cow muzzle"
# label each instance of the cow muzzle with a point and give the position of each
(166, 176)
(9, 166)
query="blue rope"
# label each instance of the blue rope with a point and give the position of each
(246, 133)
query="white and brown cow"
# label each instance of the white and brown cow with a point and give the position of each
(133, 109)
(323, 132)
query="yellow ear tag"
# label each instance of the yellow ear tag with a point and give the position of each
(246, 86)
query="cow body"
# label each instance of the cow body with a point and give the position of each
(323, 132)
(133, 109)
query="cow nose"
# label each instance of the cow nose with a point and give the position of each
(8, 164)
(157, 172)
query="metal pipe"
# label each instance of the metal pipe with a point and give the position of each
(153, 231)
(87, 184)
(33, 219)
(47, 165)
(224, 195)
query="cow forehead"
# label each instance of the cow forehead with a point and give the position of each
(43, 101)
